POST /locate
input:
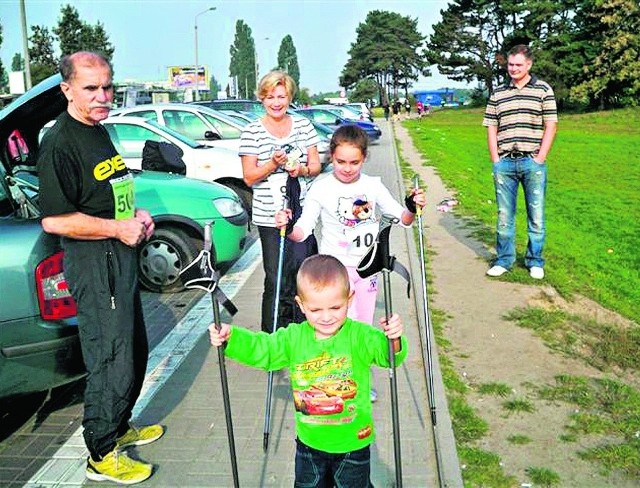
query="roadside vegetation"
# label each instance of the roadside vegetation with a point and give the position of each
(592, 226)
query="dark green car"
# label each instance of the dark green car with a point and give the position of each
(39, 347)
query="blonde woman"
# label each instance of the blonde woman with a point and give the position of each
(279, 156)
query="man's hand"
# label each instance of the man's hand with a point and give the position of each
(146, 219)
(130, 231)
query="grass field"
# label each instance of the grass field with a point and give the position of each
(593, 198)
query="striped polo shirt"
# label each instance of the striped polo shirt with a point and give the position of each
(256, 140)
(520, 114)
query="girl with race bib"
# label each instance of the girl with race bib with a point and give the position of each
(345, 202)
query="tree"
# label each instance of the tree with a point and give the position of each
(17, 63)
(467, 43)
(288, 59)
(69, 31)
(43, 63)
(364, 91)
(304, 97)
(388, 50)
(4, 78)
(243, 60)
(214, 87)
(76, 35)
(613, 76)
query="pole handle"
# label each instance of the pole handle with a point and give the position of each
(416, 185)
(285, 206)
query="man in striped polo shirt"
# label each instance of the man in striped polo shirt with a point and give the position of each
(521, 119)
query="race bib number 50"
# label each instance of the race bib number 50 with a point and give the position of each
(123, 197)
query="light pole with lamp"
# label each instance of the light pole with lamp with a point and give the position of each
(197, 67)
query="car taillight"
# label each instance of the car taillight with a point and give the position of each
(53, 293)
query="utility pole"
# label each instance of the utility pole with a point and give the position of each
(25, 45)
(197, 67)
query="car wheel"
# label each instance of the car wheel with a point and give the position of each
(304, 409)
(245, 195)
(162, 258)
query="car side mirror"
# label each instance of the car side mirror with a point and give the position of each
(212, 136)
(338, 121)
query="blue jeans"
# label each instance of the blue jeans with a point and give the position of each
(319, 469)
(508, 174)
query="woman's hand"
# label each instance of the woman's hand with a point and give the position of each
(283, 217)
(279, 158)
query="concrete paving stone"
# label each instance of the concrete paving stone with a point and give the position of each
(10, 473)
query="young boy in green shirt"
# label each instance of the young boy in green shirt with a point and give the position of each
(329, 357)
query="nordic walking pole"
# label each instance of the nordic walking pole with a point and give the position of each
(393, 346)
(427, 312)
(378, 258)
(225, 395)
(276, 306)
(200, 274)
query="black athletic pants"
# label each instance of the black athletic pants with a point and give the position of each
(102, 278)
(294, 254)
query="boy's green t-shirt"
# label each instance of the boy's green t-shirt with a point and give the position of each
(330, 378)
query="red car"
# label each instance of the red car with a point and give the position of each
(316, 402)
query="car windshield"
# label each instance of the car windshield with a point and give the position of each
(177, 135)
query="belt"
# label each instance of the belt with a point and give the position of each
(516, 154)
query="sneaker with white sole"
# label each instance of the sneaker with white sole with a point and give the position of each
(139, 436)
(496, 271)
(536, 272)
(373, 395)
(118, 468)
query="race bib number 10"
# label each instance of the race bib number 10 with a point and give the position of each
(123, 197)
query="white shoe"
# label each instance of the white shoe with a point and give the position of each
(496, 271)
(536, 272)
(373, 395)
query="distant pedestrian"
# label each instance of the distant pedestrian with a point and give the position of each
(328, 357)
(521, 119)
(396, 109)
(407, 107)
(87, 197)
(386, 110)
(419, 108)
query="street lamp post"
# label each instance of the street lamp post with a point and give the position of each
(197, 67)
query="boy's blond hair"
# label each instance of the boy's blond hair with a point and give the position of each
(320, 271)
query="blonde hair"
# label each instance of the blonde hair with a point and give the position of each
(320, 271)
(275, 78)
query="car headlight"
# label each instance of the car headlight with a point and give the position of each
(376, 127)
(228, 207)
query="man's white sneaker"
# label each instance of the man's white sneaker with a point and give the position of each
(536, 272)
(496, 271)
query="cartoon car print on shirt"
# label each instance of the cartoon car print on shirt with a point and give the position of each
(345, 389)
(316, 402)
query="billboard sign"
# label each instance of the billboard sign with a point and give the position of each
(184, 77)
